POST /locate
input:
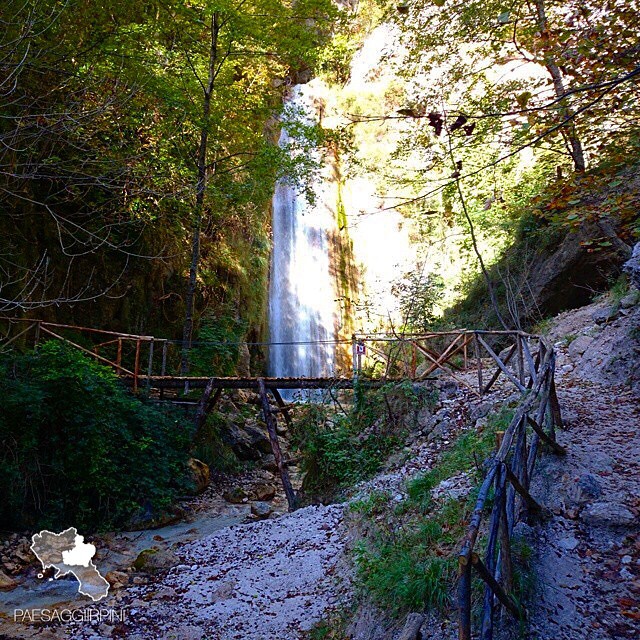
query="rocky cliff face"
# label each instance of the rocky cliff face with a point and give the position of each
(567, 276)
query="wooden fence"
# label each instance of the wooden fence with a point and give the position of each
(524, 360)
(450, 353)
(508, 479)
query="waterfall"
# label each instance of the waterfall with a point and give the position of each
(302, 300)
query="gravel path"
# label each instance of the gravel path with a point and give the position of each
(587, 557)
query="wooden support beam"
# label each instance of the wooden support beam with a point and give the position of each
(464, 601)
(476, 345)
(136, 368)
(275, 445)
(203, 408)
(555, 447)
(529, 500)
(498, 371)
(499, 362)
(533, 377)
(495, 587)
(284, 409)
(521, 376)
(447, 371)
(8, 342)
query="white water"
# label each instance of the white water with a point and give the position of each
(302, 299)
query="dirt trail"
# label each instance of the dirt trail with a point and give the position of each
(587, 557)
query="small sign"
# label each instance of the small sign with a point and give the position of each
(361, 349)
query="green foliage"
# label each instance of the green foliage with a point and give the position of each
(418, 294)
(409, 563)
(215, 350)
(77, 449)
(340, 448)
(211, 448)
(406, 574)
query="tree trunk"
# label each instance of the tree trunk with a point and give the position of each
(566, 113)
(201, 187)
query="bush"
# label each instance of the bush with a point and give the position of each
(341, 448)
(77, 449)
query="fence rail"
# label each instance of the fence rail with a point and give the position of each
(509, 476)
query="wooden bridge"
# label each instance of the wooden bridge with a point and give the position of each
(523, 360)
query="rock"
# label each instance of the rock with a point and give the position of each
(412, 625)
(243, 364)
(630, 300)
(117, 579)
(261, 510)
(632, 266)
(264, 492)
(237, 495)
(301, 76)
(7, 583)
(608, 514)
(563, 277)
(601, 316)
(447, 388)
(269, 463)
(155, 560)
(200, 474)
(579, 346)
(481, 411)
(249, 441)
(568, 544)
(589, 486)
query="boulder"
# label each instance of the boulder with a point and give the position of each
(200, 474)
(7, 583)
(261, 510)
(608, 514)
(632, 266)
(269, 463)
(237, 495)
(249, 441)
(264, 492)
(117, 579)
(630, 300)
(579, 346)
(155, 560)
(564, 276)
(601, 316)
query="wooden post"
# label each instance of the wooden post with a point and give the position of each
(479, 362)
(414, 360)
(464, 601)
(506, 568)
(521, 375)
(136, 367)
(119, 356)
(163, 367)
(283, 406)
(465, 352)
(354, 354)
(275, 445)
(150, 367)
(36, 340)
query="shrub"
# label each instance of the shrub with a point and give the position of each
(341, 448)
(77, 449)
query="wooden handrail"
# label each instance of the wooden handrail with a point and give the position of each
(510, 475)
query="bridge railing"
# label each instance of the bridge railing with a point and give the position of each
(515, 355)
